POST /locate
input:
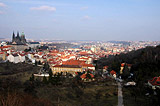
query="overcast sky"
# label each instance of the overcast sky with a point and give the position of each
(81, 19)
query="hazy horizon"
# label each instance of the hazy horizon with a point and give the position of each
(104, 20)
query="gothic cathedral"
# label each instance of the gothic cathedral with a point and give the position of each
(18, 40)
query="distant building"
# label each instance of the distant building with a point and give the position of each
(16, 58)
(18, 42)
(72, 66)
(34, 44)
(66, 69)
(2, 56)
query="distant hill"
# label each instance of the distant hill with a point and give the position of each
(1, 39)
(4, 39)
(120, 42)
(62, 45)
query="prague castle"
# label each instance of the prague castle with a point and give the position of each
(18, 40)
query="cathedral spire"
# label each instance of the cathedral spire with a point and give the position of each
(13, 37)
(19, 39)
(17, 34)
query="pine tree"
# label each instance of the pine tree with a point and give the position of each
(32, 78)
(50, 79)
(46, 67)
(45, 80)
(88, 75)
(39, 62)
(35, 63)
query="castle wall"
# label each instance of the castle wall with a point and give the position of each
(19, 47)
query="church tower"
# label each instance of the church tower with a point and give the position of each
(13, 37)
(23, 40)
(18, 39)
(18, 35)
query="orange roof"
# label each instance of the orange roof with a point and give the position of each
(72, 55)
(83, 53)
(40, 53)
(57, 66)
(73, 62)
(105, 67)
(122, 65)
(76, 73)
(6, 46)
(51, 59)
(83, 58)
(84, 76)
(155, 81)
(54, 51)
(88, 65)
(52, 62)
(1, 52)
(7, 54)
(129, 65)
(113, 72)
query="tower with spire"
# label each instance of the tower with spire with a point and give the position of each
(19, 40)
(13, 37)
(23, 39)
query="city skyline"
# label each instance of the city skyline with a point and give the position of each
(81, 20)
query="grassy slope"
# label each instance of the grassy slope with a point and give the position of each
(102, 95)
(20, 71)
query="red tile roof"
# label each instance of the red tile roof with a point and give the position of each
(105, 67)
(1, 52)
(54, 51)
(129, 65)
(112, 72)
(84, 76)
(122, 65)
(83, 53)
(88, 65)
(73, 62)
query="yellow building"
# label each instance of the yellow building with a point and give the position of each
(66, 69)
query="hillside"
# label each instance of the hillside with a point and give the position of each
(12, 68)
(18, 87)
(145, 62)
(145, 65)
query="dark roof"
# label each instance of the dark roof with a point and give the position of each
(34, 43)
(68, 66)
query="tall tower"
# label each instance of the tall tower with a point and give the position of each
(18, 34)
(23, 40)
(13, 37)
(18, 39)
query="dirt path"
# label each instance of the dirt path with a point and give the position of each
(120, 95)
